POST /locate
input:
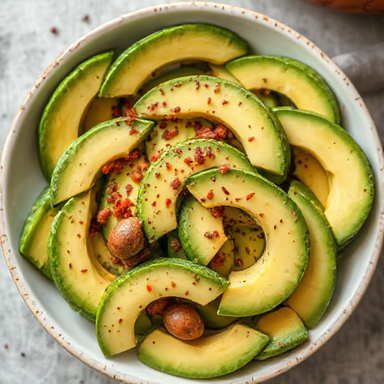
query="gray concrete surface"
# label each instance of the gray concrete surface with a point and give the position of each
(27, 46)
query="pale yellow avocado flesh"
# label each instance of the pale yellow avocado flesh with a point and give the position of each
(79, 277)
(269, 281)
(80, 164)
(61, 121)
(100, 110)
(240, 110)
(231, 349)
(350, 177)
(131, 292)
(223, 73)
(188, 41)
(310, 172)
(313, 294)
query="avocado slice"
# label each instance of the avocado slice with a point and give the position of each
(203, 358)
(313, 294)
(189, 41)
(285, 329)
(75, 270)
(99, 111)
(310, 172)
(292, 78)
(350, 198)
(223, 73)
(131, 292)
(210, 317)
(286, 245)
(34, 237)
(80, 164)
(200, 233)
(61, 120)
(240, 110)
(164, 180)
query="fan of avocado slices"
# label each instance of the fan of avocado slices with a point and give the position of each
(195, 146)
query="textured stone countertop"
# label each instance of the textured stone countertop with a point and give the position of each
(28, 355)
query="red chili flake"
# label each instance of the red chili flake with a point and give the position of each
(188, 160)
(178, 85)
(173, 285)
(164, 103)
(240, 102)
(131, 115)
(213, 178)
(121, 209)
(220, 131)
(168, 202)
(152, 106)
(157, 175)
(133, 131)
(237, 199)
(209, 100)
(210, 194)
(170, 133)
(120, 321)
(113, 197)
(186, 293)
(205, 133)
(261, 214)
(209, 153)
(206, 85)
(249, 196)
(224, 168)
(178, 151)
(114, 167)
(176, 109)
(162, 91)
(224, 102)
(197, 84)
(84, 270)
(251, 138)
(217, 88)
(70, 265)
(81, 222)
(94, 227)
(163, 125)
(281, 221)
(102, 216)
(168, 166)
(279, 344)
(265, 80)
(79, 236)
(154, 204)
(128, 189)
(211, 234)
(113, 187)
(224, 190)
(247, 250)
(137, 174)
(175, 245)
(199, 156)
(149, 288)
(218, 261)
(218, 211)
(239, 262)
(175, 184)
(155, 156)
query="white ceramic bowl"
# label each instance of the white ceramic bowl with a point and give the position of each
(22, 181)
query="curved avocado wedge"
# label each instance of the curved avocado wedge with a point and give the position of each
(286, 249)
(99, 111)
(61, 120)
(351, 188)
(75, 270)
(292, 78)
(80, 164)
(36, 230)
(164, 180)
(189, 41)
(314, 292)
(201, 235)
(203, 358)
(254, 125)
(131, 292)
(285, 329)
(310, 172)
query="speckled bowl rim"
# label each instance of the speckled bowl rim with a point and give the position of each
(12, 256)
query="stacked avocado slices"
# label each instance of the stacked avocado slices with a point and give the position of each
(239, 171)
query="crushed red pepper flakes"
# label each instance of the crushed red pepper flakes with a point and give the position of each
(175, 183)
(70, 265)
(210, 195)
(217, 88)
(225, 190)
(188, 160)
(133, 131)
(239, 262)
(168, 134)
(249, 196)
(211, 234)
(162, 91)
(224, 102)
(218, 261)
(149, 288)
(120, 321)
(84, 270)
(168, 202)
(177, 109)
(224, 168)
(250, 139)
(209, 100)
(155, 156)
(128, 189)
(173, 284)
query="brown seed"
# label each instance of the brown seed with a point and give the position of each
(126, 238)
(183, 321)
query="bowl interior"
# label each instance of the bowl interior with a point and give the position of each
(22, 181)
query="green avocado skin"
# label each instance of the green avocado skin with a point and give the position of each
(54, 104)
(40, 208)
